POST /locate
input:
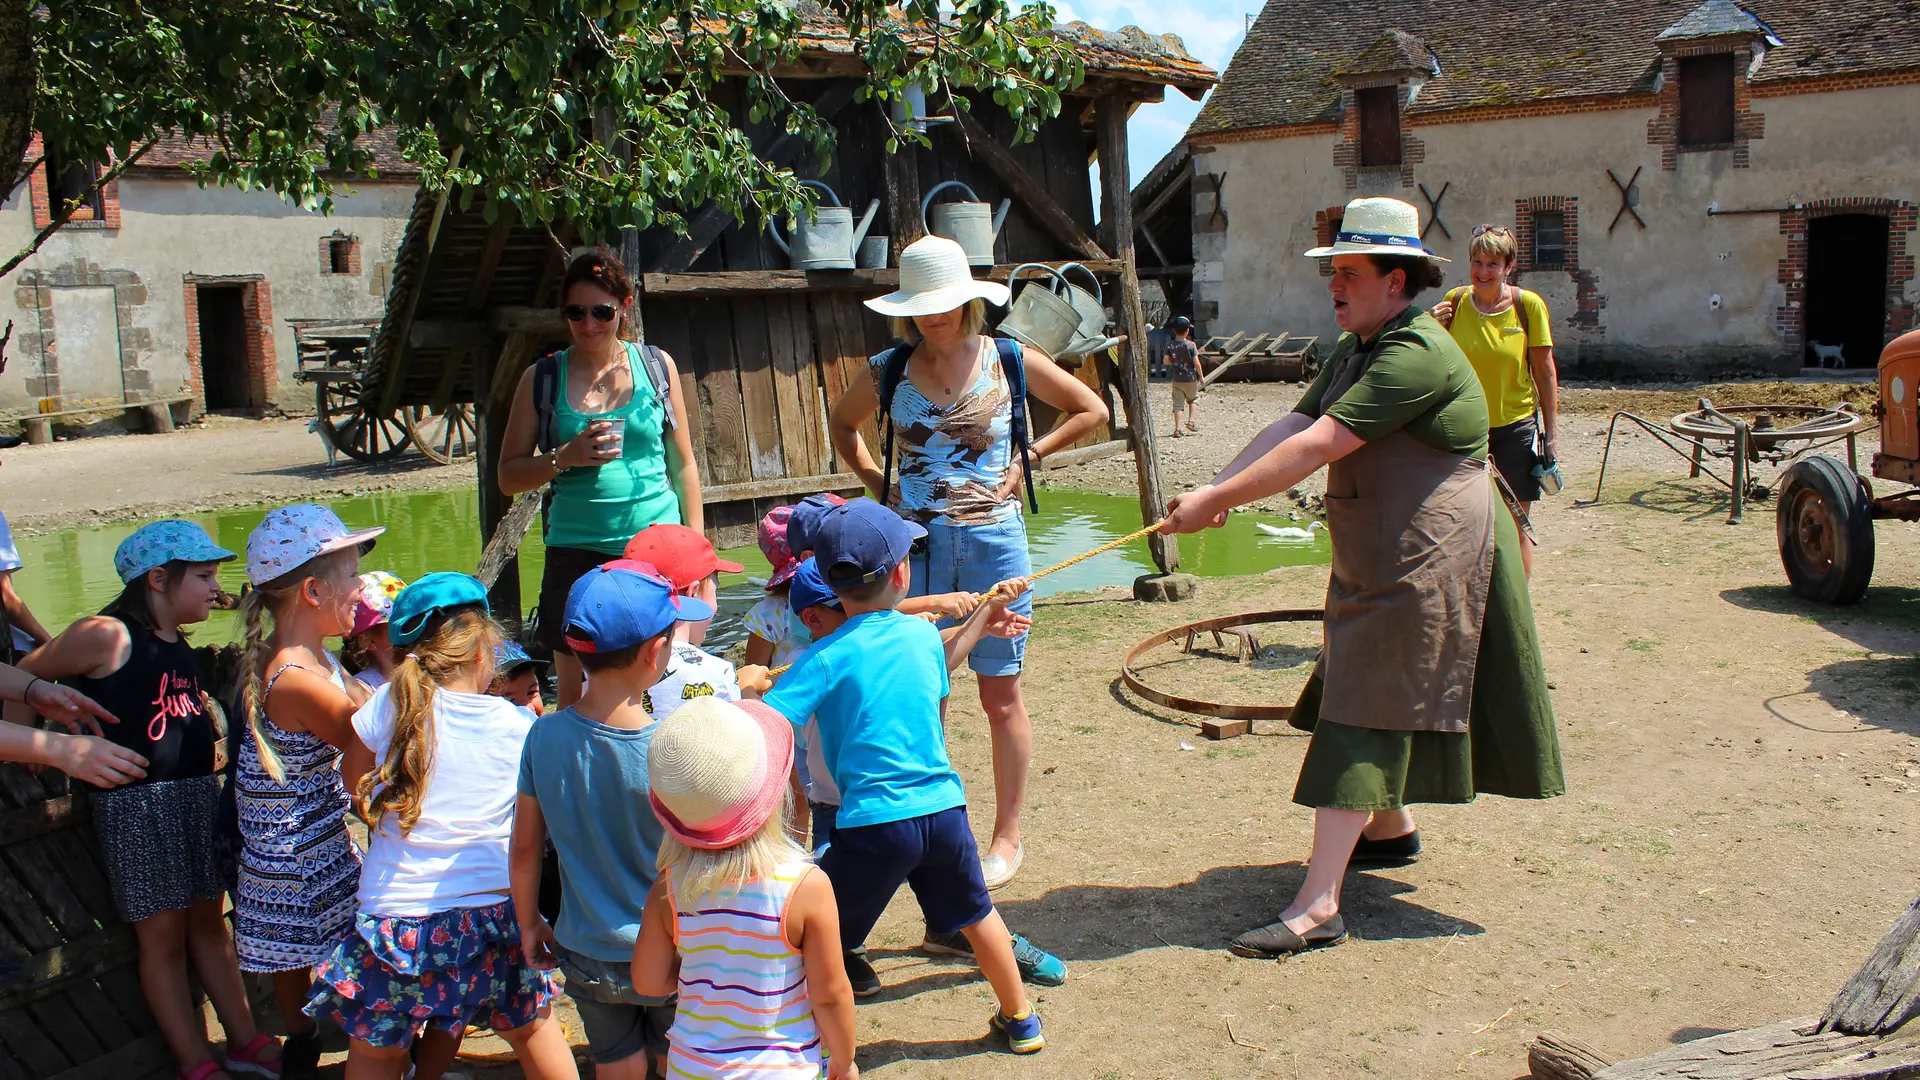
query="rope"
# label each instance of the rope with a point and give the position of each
(1054, 569)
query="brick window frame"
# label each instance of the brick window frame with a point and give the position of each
(1790, 317)
(1663, 130)
(352, 244)
(1523, 210)
(1346, 149)
(1326, 227)
(40, 194)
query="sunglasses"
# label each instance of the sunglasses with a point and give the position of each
(1482, 230)
(579, 312)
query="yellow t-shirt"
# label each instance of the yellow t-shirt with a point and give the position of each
(1497, 347)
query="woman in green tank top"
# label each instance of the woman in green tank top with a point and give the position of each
(617, 465)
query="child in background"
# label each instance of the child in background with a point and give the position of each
(774, 636)
(366, 650)
(20, 631)
(583, 782)
(516, 677)
(298, 865)
(878, 687)
(1184, 369)
(435, 940)
(158, 833)
(684, 557)
(739, 922)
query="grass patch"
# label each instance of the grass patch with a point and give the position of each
(1642, 644)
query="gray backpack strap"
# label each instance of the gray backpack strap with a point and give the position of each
(546, 391)
(655, 363)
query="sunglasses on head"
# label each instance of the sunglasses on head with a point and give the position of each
(1482, 230)
(579, 312)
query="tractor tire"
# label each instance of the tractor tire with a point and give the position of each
(1825, 528)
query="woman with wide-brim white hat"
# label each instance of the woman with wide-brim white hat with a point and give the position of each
(960, 474)
(1429, 686)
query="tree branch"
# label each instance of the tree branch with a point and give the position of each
(63, 213)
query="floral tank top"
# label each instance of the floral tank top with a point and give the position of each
(953, 462)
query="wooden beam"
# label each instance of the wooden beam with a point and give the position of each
(1153, 242)
(714, 219)
(1029, 195)
(451, 334)
(489, 263)
(900, 191)
(538, 321)
(1116, 216)
(1163, 272)
(1096, 452)
(396, 373)
(722, 282)
(1240, 354)
(779, 487)
(1885, 993)
(38, 819)
(1184, 182)
(86, 958)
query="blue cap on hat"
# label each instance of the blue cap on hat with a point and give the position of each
(508, 655)
(154, 545)
(430, 595)
(623, 603)
(861, 542)
(808, 589)
(805, 521)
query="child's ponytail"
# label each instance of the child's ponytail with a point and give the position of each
(253, 612)
(459, 639)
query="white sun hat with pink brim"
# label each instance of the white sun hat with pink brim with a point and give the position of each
(1377, 227)
(934, 279)
(292, 536)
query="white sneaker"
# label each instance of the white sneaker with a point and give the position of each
(999, 871)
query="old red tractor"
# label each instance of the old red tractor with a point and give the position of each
(1826, 511)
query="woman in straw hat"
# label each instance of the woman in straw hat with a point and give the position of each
(960, 472)
(1429, 687)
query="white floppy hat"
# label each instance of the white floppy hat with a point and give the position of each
(935, 278)
(1378, 227)
(717, 770)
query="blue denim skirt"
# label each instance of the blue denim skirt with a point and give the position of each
(975, 558)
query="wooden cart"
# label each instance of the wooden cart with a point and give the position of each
(333, 358)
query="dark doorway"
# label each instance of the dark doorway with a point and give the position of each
(1846, 288)
(223, 347)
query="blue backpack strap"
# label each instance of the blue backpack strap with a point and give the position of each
(893, 371)
(1013, 363)
(546, 391)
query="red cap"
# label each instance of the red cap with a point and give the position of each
(683, 555)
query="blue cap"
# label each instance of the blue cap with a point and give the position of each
(805, 521)
(861, 542)
(808, 589)
(623, 603)
(154, 545)
(508, 655)
(430, 595)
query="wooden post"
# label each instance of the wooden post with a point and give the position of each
(900, 190)
(496, 376)
(1116, 226)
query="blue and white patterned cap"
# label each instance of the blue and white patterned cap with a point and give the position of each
(159, 543)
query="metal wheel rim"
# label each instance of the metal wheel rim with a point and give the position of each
(1806, 422)
(446, 437)
(1813, 533)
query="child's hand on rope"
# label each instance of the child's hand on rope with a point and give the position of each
(755, 680)
(955, 605)
(1008, 591)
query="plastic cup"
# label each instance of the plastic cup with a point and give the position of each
(617, 444)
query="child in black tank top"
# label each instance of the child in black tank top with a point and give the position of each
(158, 833)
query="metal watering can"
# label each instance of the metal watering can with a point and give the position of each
(1090, 335)
(829, 241)
(973, 225)
(1041, 316)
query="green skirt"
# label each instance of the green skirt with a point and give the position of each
(1510, 747)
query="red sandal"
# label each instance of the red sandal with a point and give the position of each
(247, 1058)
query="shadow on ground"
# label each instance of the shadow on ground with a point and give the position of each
(349, 469)
(1880, 688)
(1100, 922)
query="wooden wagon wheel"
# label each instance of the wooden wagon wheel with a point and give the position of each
(355, 428)
(447, 436)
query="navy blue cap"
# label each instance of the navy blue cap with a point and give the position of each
(435, 593)
(805, 521)
(623, 603)
(861, 542)
(806, 588)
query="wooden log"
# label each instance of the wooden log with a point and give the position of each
(159, 417)
(1554, 1056)
(1030, 196)
(1084, 454)
(1116, 203)
(1885, 992)
(1788, 1050)
(38, 430)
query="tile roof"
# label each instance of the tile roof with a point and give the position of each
(1509, 52)
(175, 152)
(1395, 50)
(1715, 18)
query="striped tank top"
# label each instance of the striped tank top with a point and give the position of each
(744, 1009)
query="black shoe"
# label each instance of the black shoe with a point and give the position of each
(1275, 941)
(300, 1056)
(8, 442)
(1393, 851)
(866, 981)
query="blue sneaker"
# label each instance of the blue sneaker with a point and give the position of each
(1037, 965)
(1022, 1032)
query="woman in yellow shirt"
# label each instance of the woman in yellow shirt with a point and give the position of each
(1507, 335)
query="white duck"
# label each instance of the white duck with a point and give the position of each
(1290, 532)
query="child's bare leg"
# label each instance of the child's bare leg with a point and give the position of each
(437, 1050)
(290, 995)
(993, 950)
(366, 1061)
(211, 945)
(542, 1048)
(163, 981)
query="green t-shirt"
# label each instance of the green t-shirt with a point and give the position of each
(1416, 380)
(600, 507)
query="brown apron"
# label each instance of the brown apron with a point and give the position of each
(1412, 531)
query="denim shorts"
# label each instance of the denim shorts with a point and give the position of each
(975, 558)
(620, 1023)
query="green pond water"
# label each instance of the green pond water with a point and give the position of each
(70, 574)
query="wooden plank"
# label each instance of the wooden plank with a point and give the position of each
(1030, 196)
(759, 400)
(812, 402)
(900, 194)
(63, 1024)
(545, 322)
(860, 336)
(667, 323)
(723, 282)
(781, 487)
(430, 272)
(1238, 355)
(88, 957)
(1790, 1048)
(712, 220)
(38, 819)
(489, 264)
(795, 408)
(23, 1037)
(724, 415)
(1885, 992)
(129, 1062)
(1080, 456)
(1116, 204)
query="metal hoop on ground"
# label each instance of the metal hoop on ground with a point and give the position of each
(1217, 709)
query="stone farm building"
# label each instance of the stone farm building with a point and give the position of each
(1694, 189)
(164, 290)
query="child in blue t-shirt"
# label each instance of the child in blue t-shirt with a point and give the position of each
(583, 778)
(876, 688)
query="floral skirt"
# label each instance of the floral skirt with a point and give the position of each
(394, 976)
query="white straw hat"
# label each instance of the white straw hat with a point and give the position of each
(1378, 227)
(717, 770)
(935, 278)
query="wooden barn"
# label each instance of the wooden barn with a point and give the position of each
(764, 349)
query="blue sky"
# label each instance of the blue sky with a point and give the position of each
(1211, 29)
